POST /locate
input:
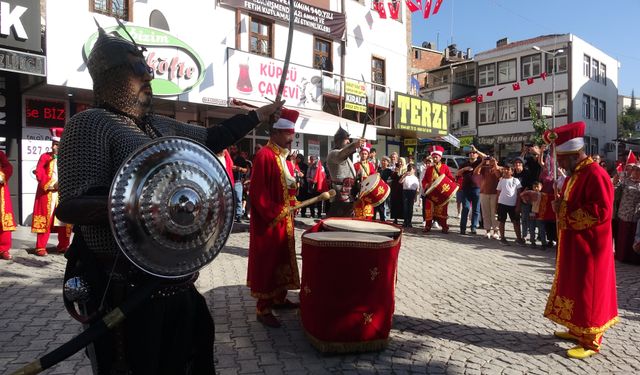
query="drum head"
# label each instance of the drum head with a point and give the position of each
(370, 183)
(171, 207)
(360, 226)
(435, 184)
(336, 237)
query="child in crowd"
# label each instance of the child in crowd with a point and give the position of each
(534, 197)
(508, 190)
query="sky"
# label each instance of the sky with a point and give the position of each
(609, 25)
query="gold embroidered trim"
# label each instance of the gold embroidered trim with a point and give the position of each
(347, 347)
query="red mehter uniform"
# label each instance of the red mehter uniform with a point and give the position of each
(6, 210)
(363, 170)
(440, 214)
(272, 256)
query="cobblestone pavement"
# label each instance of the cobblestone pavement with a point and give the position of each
(464, 305)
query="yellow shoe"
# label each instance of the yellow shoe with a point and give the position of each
(579, 352)
(565, 335)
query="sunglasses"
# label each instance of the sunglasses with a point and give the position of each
(140, 68)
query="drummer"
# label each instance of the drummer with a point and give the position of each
(342, 173)
(364, 168)
(434, 171)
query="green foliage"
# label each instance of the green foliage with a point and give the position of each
(628, 120)
(539, 123)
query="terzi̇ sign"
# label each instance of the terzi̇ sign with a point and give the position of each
(419, 115)
(177, 67)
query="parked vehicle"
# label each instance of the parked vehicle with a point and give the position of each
(454, 162)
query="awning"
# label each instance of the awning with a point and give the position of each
(318, 122)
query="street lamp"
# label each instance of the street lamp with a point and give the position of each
(553, 96)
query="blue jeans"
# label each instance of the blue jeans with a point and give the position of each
(237, 187)
(525, 211)
(471, 198)
(533, 224)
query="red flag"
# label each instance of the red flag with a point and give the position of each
(379, 5)
(437, 7)
(516, 86)
(413, 7)
(529, 81)
(321, 179)
(468, 100)
(631, 158)
(427, 9)
(619, 167)
(543, 75)
(490, 93)
(480, 98)
(394, 9)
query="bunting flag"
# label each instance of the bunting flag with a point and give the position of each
(379, 5)
(437, 7)
(468, 100)
(529, 81)
(480, 98)
(631, 158)
(543, 75)
(490, 93)
(427, 9)
(516, 86)
(413, 7)
(394, 9)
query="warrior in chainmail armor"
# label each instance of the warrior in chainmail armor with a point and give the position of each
(342, 174)
(173, 332)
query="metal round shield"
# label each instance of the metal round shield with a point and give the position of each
(171, 207)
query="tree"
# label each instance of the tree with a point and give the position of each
(539, 122)
(628, 120)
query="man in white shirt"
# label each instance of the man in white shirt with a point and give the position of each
(509, 203)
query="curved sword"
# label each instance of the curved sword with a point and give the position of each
(287, 55)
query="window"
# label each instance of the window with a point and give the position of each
(260, 40)
(524, 105)
(507, 71)
(561, 102)
(377, 71)
(594, 108)
(603, 111)
(508, 110)
(561, 63)
(113, 8)
(586, 106)
(464, 118)
(487, 75)
(586, 68)
(531, 66)
(603, 74)
(464, 77)
(322, 54)
(416, 54)
(487, 113)
(595, 73)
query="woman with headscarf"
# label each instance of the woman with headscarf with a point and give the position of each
(396, 195)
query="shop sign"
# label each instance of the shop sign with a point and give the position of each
(177, 67)
(314, 148)
(297, 145)
(256, 78)
(410, 142)
(22, 62)
(466, 141)
(506, 139)
(355, 96)
(320, 21)
(20, 24)
(416, 114)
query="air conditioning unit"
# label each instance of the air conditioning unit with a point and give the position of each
(610, 147)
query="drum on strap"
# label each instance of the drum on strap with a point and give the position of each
(360, 226)
(441, 190)
(374, 190)
(347, 295)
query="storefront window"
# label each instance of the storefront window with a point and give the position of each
(113, 8)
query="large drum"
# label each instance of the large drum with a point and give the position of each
(347, 294)
(360, 226)
(441, 190)
(374, 190)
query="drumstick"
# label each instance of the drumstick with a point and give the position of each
(322, 197)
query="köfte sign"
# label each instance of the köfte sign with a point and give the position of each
(177, 67)
(254, 77)
(416, 114)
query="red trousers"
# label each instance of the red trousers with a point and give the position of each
(589, 340)
(63, 238)
(5, 241)
(263, 305)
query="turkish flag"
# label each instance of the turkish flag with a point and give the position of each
(427, 9)
(529, 81)
(394, 9)
(437, 7)
(631, 158)
(322, 184)
(516, 86)
(543, 75)
(468, 100)
(490, 93)
(413, 7)
(480, 98)
(380, 8)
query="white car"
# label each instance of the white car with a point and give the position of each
(454, 162)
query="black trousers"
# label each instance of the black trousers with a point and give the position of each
(408, 197)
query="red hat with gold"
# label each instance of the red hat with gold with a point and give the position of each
(437, 150)
(568, 139)
(287, 120)
(366, 147)
(56, 134)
